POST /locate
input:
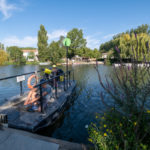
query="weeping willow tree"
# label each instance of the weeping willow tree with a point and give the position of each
(129, 43)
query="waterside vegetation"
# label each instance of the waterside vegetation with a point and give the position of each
(54, 52)
(124, 124)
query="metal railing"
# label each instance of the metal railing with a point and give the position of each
(66, 83)
(19, 75)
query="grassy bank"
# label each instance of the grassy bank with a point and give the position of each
(14, 63)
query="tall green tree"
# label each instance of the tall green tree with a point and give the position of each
(77, 41)
(42, 44)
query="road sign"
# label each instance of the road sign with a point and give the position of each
(66, 42)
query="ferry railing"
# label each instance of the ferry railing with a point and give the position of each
(54, 79)
(66, 83)
(21, 81)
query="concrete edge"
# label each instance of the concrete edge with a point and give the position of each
(63, 145)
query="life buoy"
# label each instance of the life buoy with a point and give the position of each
(32, 97)
(29, 81)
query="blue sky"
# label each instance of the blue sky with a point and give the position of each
(100, 19)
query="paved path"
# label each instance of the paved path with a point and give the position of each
(16, 141)
(12, 139)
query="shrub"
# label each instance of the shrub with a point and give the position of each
(125, 124)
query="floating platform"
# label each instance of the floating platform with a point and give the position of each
(19, 118)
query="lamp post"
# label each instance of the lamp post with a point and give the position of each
(67, 43)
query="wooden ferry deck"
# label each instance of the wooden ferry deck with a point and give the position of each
(19, 118)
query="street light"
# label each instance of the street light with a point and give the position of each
(67, 43)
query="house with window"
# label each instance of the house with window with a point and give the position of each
(76, 58)
(30, 54)
(104, 55)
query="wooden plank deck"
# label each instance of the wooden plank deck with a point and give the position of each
(32, 121)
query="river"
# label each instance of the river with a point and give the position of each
(72, 125)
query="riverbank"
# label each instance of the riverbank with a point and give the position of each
(15, 63)
(84, 63)
(59, 64)
(16, 139)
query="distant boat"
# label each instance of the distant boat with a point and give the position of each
(44, 63)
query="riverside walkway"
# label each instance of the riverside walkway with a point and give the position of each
(12, 139)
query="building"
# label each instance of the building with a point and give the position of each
(28, 52)
(104, 55)
(76, 58)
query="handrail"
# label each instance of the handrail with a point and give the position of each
(52, 78)
(65, 82)
(18, 75)
(55, 85)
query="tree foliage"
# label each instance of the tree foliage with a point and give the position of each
(127, 41)
(42, 44)
(31, 55)
(54, 52)
(3, 57)
(124, 124)
(26, 48)
(16, 55)
(77, 41)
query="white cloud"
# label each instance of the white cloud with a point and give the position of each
(27, 41)
(92, 42)
(6, 9)
(56, 34)
(31, 41)
(108, 36)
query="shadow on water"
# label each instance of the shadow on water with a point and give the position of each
(82, 109)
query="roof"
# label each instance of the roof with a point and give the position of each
(104, 53)
(29, 50)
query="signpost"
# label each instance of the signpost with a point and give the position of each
(67, 43)
(20, 79)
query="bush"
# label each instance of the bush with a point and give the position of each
(125, 124)
(107, 62)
